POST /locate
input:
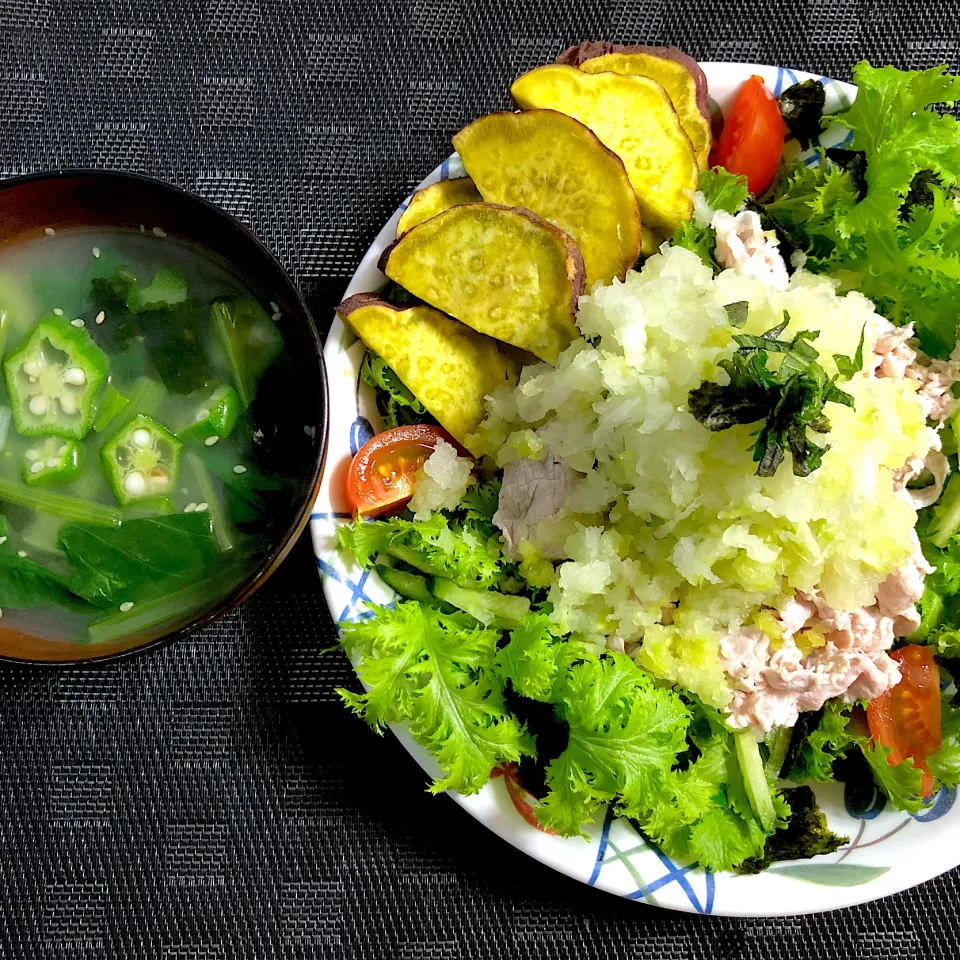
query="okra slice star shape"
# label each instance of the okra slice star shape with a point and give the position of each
(53, 380)
(53, 461)
(142, 459)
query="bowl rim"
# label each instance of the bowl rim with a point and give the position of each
(265, 569)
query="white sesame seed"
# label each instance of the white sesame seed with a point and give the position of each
(126, 605)
(76, 323)
(159, 232)
(210, 441)
(189, 508)
(277, 317)
(96, 252)
(202, 507)
(58, 311)
(21, 553)
(274, 306)
(49, 231)
(239, 468)
(100, 317)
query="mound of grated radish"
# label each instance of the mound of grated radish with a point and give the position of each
(669, 536)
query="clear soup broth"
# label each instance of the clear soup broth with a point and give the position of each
(149, 458)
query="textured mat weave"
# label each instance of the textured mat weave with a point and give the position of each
(212, 800)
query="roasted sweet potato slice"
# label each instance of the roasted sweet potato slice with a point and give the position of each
(589, 49)
(556, 167)
(634, 117)
(436, 198)
(502, 270)
(447, 366)
(675, 78)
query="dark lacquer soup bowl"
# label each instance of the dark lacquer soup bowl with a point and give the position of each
(163, 415)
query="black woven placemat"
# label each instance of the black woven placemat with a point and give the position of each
(212, 800)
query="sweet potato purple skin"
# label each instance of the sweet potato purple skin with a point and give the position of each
(589, 49)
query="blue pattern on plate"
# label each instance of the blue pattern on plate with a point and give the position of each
(873, 809)
(780, 86)
(360, 433)
(645, 891)
(357, 593)
(941, 806)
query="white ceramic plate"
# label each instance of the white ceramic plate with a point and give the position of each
(889, 851)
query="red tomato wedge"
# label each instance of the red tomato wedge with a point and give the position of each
(752, 140)
(907, 717)
(380, 478)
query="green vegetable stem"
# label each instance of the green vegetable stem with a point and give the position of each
(222, 530)
(249, 339)
(57, 504)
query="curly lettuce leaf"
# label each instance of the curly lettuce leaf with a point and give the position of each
(722, 191)
(899, 136)
(435, 671)
(530, 659)
(706, 815)
(443, 546)
(625, 736)
(830, 739)
(396, 404)
(536, 659)
(478, 506)
(887, 224)
(945, 763)
(940, 604)
(900, 783)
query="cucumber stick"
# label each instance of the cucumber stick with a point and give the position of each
(755, 780)
(410, 586)
(487, 606)
(779, 744)
(490, 608)
(413, 559)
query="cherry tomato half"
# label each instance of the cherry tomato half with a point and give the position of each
(907, 717)
(752, 138)
(380, 478)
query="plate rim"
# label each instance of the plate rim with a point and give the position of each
(495, 806)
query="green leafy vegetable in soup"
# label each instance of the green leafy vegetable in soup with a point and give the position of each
(113, 363)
